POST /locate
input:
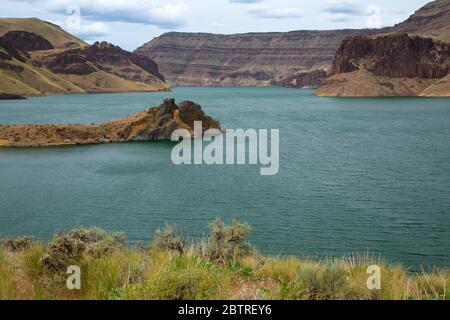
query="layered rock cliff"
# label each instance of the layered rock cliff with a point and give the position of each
(416, 63)
(388, 65)
(153, 124)
(254, 59)
(293, 58)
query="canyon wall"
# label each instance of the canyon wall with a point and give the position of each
(412, 59)
(388, 65)
(253, 59)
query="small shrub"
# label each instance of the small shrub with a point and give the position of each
(17, 244)
(67, 249)
(227, 243)
(170, 238)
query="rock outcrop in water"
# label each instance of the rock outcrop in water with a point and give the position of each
(153, 124)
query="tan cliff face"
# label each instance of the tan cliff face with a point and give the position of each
(153, 124)
(253, 59)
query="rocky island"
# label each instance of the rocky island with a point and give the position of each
(157, 123)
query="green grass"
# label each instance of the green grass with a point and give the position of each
(172, 267)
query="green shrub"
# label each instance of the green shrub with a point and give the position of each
(67, 249)
(17, 244)
(227, 243)
(170, 238)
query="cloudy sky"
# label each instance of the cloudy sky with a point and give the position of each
(130, 23)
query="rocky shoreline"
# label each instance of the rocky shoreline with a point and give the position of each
(7, 96)
(157, 123)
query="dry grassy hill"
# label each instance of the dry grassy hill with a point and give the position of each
(39, 58)
(53, 33)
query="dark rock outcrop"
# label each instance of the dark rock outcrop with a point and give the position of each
(395, 56)
(7, 96)
(70, 62)
(413, 59)
(153, 124)
(26, 41)
(311, 79)
(103, 56)
(8, 52)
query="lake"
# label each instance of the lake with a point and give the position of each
(356, 174)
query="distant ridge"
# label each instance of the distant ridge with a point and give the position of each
(272, 58)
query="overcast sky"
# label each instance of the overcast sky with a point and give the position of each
(130, 23)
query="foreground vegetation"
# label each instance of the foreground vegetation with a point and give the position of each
(222, 266)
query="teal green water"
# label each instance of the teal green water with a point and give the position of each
(355, 174)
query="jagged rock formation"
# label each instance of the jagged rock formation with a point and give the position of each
(30, 66)
(253, 59)
(396, 64)
(395, 56)
(153, 124)
(311, 79)
(102, 57)
(389, 65)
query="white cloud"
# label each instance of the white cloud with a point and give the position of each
(165, 14)
(93, 30)
(275, 13)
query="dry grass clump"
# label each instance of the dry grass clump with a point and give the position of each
(174, 267)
